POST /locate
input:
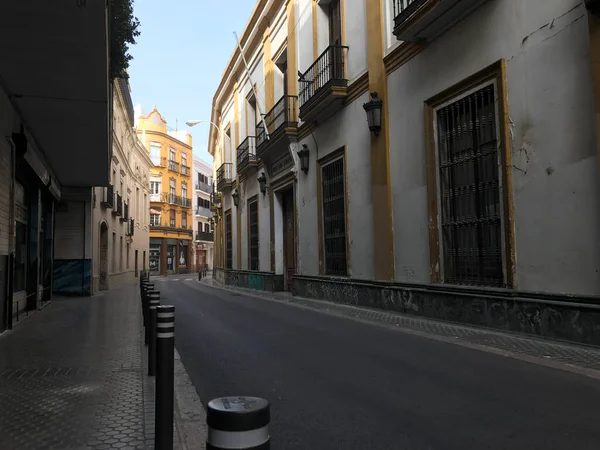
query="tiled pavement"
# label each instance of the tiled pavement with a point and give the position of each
(72, 377)
(551, 352)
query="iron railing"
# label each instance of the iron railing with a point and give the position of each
(131, 227)
(403, 9)
(334, 218)
(224, 175)
(176, 200)
(202, 211)
(204, 236)
(119, 206)
(173, 165)
(185, 170)
(326, 71)
(186, 202)
(284, 114)
(204, 187)
(246, 153)
(125, 216)
(108, 199)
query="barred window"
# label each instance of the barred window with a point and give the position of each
(228, 243)
(253, 234)
(469, 184)
(334, 218)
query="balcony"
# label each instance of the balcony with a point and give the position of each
(172, 228)
(424, 20)
(323, 87)
(118, 208)
(216, 199)
(130, 227)
(204, 236)
(246, 155)
(173, 166)
(224, 176)
(108, 196)
(282, 125)
(204, 187)
(185, 170)
(202, 211)
(125, 216)
(163, 162)
(173, 199)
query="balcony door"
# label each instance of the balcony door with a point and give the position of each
(334, 14)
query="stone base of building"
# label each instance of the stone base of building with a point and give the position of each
(262, 281)
(572, 318)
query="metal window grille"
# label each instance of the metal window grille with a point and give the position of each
(334, 218)
(228, 243)
(470, 190)
(253, 225)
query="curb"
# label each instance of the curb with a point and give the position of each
(190, 416)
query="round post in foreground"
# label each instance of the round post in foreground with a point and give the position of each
(154, 303)
(165, 377)
(148, 287)
(238, 423)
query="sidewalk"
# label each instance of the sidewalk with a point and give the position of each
(73, 377)
(580, 359)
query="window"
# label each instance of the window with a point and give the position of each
(183, 159)
(207, 228)
(335, 23)
(21, 215)
(183, 220)
(251, 116)
(172, 222)
(113, 260)
(469, 190)
(184, 189)
(121, 254)
(127, 260)
(137, 205)
(172, 190)
(334, 218)
(172, 154)
(155, 220)
(253, 234)
(154, 187)
(228, 242)
(144, 206)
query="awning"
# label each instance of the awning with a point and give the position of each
(54, 67)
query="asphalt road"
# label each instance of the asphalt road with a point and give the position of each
(335, 383)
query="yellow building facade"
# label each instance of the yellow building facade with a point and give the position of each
(171, 189)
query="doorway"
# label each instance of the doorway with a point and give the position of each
(289, 236)
(103, 283)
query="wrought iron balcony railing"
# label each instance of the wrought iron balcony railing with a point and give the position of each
(185, 170)
(224, 175)
(118, 209)
(125, 216)
(108, 196)
(130, 227)
(173, 165)
(327, 70)
(202, 211)
(246, 153)
(204, 236)
(284, 114)
(186, 202)
(204, 187)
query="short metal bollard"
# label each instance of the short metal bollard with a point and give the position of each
(154, 302)
(148, 287)
(152, 295)
(238, 423)
(165, 377)
(200, 275)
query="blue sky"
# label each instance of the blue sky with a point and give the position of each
(180, 57)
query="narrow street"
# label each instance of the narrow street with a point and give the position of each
(336, 383)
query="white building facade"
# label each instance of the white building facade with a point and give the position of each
(121, 211)
(203, 223)
(472, 194)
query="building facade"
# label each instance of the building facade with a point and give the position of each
(121, 211)
(203, 223)
(413, 155)
(45, 129)
(171, 190)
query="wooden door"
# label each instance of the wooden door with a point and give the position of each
(289, 237)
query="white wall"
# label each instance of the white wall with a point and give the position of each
(555, 181)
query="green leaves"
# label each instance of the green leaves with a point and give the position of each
(123, 31)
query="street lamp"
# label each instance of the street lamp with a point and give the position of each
(262, 182)
(236, 198)
(373, 110)
(193, 123)
(303, 154)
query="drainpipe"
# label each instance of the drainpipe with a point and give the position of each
(83, 259)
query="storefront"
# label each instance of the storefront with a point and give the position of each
(154, 259)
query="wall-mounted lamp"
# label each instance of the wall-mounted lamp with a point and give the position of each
(236, 198)
(304, 154)
(262, 183)
(373, 110)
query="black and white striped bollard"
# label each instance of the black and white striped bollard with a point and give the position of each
(152, 295)
(165, 377)
(154, 302)
(240, 423)
(148, 287)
